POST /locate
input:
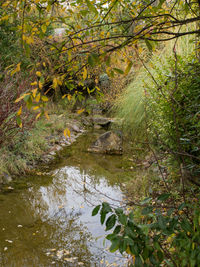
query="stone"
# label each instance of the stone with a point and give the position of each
(75, 128)
(102, 122)
(107, 143)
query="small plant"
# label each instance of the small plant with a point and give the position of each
(164, 236)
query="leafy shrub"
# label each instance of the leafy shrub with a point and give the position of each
(163, 103)
(165, 238)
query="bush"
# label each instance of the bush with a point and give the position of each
(163, 238)
(162, 103)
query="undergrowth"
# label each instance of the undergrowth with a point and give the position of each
(130, 106)
(28, 146)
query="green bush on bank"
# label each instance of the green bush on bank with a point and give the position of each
(162, 102)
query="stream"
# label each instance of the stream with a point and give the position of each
(45, 219)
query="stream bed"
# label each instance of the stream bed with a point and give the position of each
(45, 219)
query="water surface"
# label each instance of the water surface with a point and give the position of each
(45, 220)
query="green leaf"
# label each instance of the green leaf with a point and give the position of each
(122, 219)
(110, 223)
(115, 245)
(186, 225)
(93, 59)
(118, 211)
(111, 236)
(105, 209)
(118, 70)
(103, 217)
(96, 210)
(146, 200)
(148, 44)
(147, 210)
(122, 246)
(19, 121)
(128, 68)
(161, 3)
(138, 261)
(181, 206)
(163, 197)
(161, 222)
(91, 7)
(117, 229)
(160, 256)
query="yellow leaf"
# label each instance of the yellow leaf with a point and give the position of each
(38, 115)
(30, 40)
(64, 48)
(44, 98)
(46, 115)
(36, 107)
(140, 50)
(64, 96)
(37, 99)
(34, 91)
(128, 67)
(19, 111)
(44, 64)
(69, 97)
(5, 18)
(55, 83)
(67, 133)
(44, 28)
(80, 111)
(21, 97)
(34, 83)
(84, 73)
(40, 84)
(97, 88)
(38, 73)
(5, 4)
(16, 70)
(69, 56)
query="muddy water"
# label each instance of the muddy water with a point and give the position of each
(45, 220)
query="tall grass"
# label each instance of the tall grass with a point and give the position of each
(130, 106)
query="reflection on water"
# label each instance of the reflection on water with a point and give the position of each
(49, 222)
